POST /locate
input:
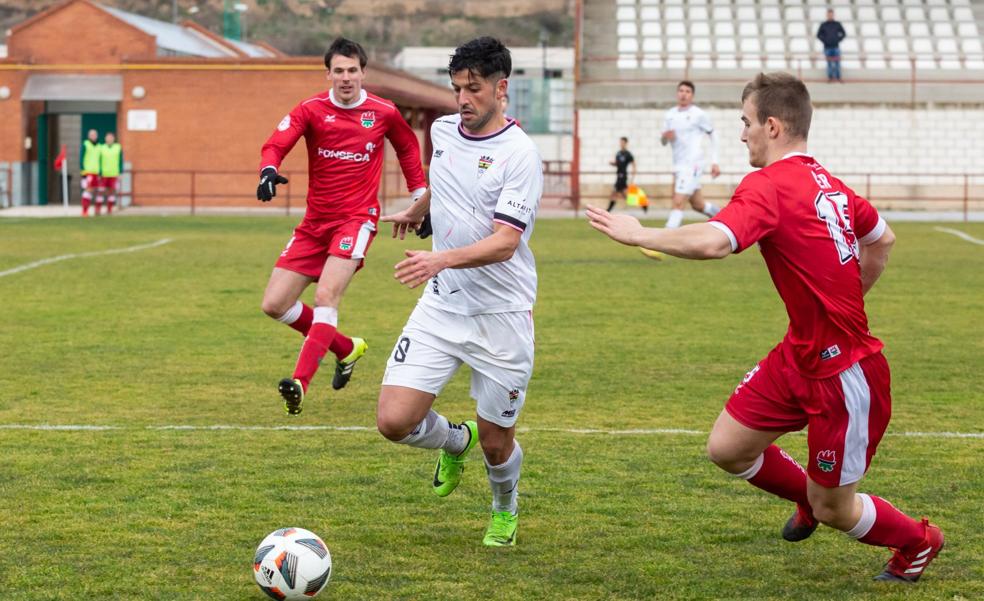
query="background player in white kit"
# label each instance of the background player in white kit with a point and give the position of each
(684, 128)
(486, 178)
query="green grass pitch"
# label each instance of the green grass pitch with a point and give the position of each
(173, 336)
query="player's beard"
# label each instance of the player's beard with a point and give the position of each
(481, 122)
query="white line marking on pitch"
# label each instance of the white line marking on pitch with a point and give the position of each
(959, 234)
(96, 253)
(230, 427)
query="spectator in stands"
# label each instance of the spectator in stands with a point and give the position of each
(831, 33)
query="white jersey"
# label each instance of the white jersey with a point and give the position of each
(690, 125)
(477, 181)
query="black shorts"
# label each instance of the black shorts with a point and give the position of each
(621, 183)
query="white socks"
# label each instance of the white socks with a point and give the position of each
(436, 432)
(675, 218)
(710, 209)
(432, 433)
(504, 480)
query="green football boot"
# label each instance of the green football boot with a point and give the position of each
(449, 468)
(502, 529)
(344, 367)
(293, 393)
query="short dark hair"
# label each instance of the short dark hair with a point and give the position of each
(346, 47)
(784, 97)
(689, 84)
(624, 139)
(484, 56)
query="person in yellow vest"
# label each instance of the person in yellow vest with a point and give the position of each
(110, 166)
(90, 156)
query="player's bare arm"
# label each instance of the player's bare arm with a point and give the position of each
(715, 170)
(668, 136)
(422, 265)
(410, 218)
(694, 241)
(874, 257)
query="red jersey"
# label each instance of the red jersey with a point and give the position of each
(808, 225)
(345, 152)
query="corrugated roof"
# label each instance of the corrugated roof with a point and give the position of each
(183, 40)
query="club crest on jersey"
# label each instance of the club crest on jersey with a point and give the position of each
(368, 119)
(826, 460)
(484, 162)
(345, 243)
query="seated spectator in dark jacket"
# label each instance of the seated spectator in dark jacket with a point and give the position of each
(831, 33)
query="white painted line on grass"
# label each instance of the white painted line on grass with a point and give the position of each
(112, 251)
(325, 428)
(959, 234)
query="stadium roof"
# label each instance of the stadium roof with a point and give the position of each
(188, 39)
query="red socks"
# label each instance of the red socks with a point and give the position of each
(314, 348)
(889, 527)
(342, 345)
(780, 475)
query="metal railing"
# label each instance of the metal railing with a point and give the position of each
(959, 192)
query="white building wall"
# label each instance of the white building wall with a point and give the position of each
(846, 140)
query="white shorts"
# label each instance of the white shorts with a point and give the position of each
(497, 346)
(686, 178)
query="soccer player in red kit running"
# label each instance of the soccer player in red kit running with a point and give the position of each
(825, 247)
(344, 131)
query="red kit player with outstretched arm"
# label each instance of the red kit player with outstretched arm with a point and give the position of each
(825, 248)
(344, 131)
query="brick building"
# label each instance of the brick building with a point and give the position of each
(190, 107)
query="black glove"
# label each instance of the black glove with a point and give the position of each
(425, 229)
(269, 178)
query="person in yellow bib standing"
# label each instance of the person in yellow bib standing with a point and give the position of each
(110, 166)
(90, 169)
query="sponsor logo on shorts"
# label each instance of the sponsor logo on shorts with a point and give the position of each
(830, 352)
(368, 119)
(284, 123)
(509, 413)
(343, 155)
(826, 460)
(345, 243)
(438, 153)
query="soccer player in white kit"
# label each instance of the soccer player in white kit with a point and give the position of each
(684, 128)
(486, 178)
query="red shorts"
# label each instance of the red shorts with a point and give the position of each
(90, 181)
(845, 415)
(108, 183)
(308, 249)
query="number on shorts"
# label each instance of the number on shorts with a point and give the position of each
(400, 354)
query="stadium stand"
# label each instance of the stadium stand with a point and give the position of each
(888, 35)
(914, 72)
